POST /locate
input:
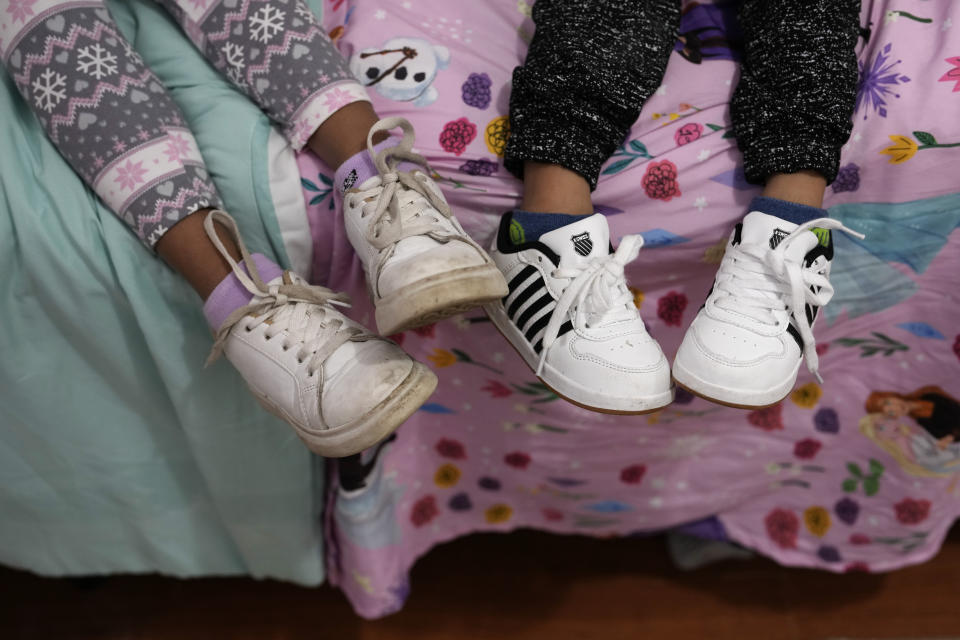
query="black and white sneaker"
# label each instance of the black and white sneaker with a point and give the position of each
(745, 345)
(572, 318)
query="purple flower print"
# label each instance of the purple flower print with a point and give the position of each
(826, 421)
(488, 483)
(877, 82)
(479, 167)
(476, 90)
(847, 511)
(828, 554)
(682, 396)
(848, 179)
(460, 502)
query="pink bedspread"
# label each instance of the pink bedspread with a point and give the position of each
(850, 475)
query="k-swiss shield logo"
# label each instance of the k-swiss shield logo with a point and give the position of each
(582, 243)
(777, 237)
(350, 180)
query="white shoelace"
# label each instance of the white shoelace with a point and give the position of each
(767, 287)
(299, 309)
(597, 293)
(399, 206)
(395, 204)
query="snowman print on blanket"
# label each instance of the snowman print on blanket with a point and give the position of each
(402, 69)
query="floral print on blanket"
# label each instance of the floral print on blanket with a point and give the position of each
(860, 473)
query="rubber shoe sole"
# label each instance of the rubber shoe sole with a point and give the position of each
(374, 426)
(437, 297)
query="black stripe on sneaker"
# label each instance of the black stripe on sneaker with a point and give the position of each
(533, 310)
(537, 326)
(521, 277)
(566, 327)
(535, 287)
(517, 281)
(792, 330)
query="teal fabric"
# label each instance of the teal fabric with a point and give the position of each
(118, 451)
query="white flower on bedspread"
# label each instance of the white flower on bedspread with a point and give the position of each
(687, 446)
(49, 89)
(96, 61)
(266, 23)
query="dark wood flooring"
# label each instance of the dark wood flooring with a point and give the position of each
(520, 586)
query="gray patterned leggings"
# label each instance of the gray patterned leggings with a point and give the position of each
(115, 123)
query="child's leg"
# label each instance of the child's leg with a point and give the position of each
(791, 115)
(569, 313)
(590, 67)
(793, 105)
(280, 57)
(296, 75)
(114, 122)
(109, 116)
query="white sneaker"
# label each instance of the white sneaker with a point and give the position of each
(745, 345)
(420, 264)
(340, 387)
(571, 317)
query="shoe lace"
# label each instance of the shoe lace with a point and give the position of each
(597, 293)
(396, 204)
(768, 287)
(299, 310)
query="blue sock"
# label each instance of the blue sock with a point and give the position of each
(526, 226)
(789, 211)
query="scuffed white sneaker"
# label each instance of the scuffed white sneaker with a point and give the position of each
(420, 264)
(745, 345)
(341, 388)
(572, 318)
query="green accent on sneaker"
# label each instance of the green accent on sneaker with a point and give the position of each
(516, 232)
(823, 235)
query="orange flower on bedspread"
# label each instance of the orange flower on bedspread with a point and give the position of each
(442, 358)
(903, 149)
(446, 476)
(498, 513)
(807, 396)
(496, 135)
(817, 520)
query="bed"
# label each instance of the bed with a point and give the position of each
(119, 453)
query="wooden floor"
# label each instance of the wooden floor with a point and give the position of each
(525, 585)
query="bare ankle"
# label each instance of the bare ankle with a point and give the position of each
(187, 249)
(803, 187)
(550, 188)
(344, 134)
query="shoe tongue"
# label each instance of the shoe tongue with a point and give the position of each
(580, 241)
(763, 229)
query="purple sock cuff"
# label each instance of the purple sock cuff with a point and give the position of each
(230, 295)
(359, 167)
